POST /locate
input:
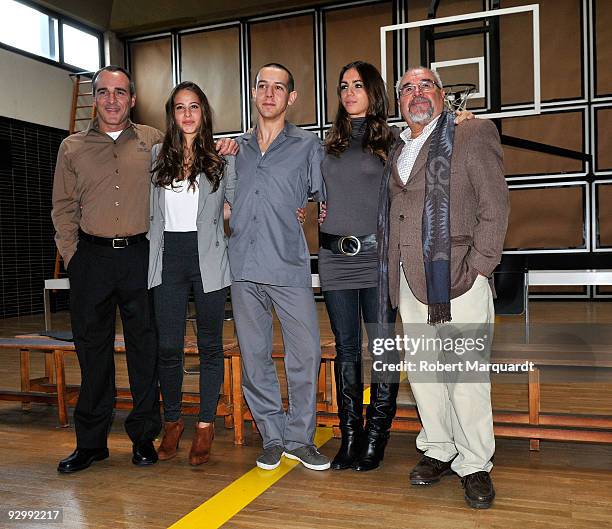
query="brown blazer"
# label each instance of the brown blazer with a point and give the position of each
(479, 210)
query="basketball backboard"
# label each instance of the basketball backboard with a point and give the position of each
(475, 48)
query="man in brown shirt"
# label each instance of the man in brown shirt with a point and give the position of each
(443, 216)
(101, 217)
(100, 213)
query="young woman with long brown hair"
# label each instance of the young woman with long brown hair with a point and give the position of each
(188, 252)
(357, 147)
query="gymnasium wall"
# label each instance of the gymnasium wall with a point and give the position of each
(560, 205)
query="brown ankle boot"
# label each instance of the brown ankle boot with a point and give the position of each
(170, 442)
(200, 447)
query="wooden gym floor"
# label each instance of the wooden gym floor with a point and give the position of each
(564, 486)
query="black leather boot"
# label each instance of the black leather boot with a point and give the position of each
(349, 389)
(380, 413)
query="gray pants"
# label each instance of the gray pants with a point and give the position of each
(252, 305)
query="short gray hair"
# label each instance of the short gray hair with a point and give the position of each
(435, 74)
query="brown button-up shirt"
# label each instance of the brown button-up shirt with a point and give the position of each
(102, 185)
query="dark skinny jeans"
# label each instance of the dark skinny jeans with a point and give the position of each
(346, 309)
(181, 275)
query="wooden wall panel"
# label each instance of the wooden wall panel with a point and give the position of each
(559, 289)
(417, 9)
(604, 214)
(546, 218)
(603, 47)
(603, 152)
(564, 129)
(560, 48)
(150, 62)
(290, 42)
(311, 226)
(212, 60)
(354, 34)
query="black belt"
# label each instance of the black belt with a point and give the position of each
(347, 244)
(116, 242)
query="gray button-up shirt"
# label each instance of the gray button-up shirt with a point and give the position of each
(267, 244)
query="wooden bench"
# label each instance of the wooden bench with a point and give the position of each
(533, 424)
(52, 388)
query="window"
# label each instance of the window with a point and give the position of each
(81, 49)
(28, 29)
(49, 36)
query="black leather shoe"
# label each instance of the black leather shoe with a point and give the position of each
(144, 453)
(479, 491)
(81, 459)
(429, 471)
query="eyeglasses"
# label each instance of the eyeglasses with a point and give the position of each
(425, 85)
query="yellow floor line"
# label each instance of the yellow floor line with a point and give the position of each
(236, 496)
(366, 395)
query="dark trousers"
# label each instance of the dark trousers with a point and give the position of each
(346, 309)
(180, 276)
(102, 279)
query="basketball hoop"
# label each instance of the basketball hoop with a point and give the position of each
(457, 95)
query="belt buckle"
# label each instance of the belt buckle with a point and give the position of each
(349, 238)
(120, 242)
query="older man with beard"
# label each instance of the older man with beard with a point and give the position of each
(442, 221)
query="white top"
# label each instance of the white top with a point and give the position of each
(181, 206)
(115, 134)
(409, 154)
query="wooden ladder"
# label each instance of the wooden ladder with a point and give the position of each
(82, 112)
(82, 98)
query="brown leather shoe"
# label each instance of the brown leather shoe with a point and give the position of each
(429, 471)
(170, 442)
(200, 447)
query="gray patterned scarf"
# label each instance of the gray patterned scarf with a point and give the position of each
(436, 220)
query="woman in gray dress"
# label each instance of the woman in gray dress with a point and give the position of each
(357, 147)
(188, 253)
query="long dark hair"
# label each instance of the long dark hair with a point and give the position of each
(169, 164)
(378, 137)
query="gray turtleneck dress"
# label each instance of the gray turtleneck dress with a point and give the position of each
(352, 181)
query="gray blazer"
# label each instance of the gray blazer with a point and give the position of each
(212, 242)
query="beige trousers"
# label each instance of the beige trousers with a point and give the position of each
(457, 418)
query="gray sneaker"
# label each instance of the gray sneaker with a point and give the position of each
(270, 458)
(309, 456)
